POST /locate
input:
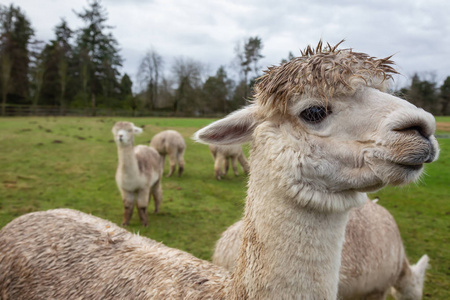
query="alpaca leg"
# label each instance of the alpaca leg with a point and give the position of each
(143, 215)
(128, 205)
(142, 204)
(157, 195)
(227, 166)
(244, 163)
(218, 167)
(180, 159)
(162, 162)
(173, 163)
(234, 165)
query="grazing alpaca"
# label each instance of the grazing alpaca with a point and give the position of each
(170, 142)
(138, 173)
(306, 174)
(373, 258)
(222, 154)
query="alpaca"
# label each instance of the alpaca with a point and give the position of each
(306, 174)
(138, 173)
(170, 142)
(222, 154)
(373, 258)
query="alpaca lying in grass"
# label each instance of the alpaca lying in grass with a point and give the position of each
(138, 173)
(314, 155)
(222, 154)
(170, 142)
(373, 257)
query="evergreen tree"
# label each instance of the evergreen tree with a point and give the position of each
(126, 93)
(37, 70)
(98, 55)
(217, 91)
(423, 94)
(57, 57)
(445, 97)
(15, 36)
(248, 58)
(289, 58)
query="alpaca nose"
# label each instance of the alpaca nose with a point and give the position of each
(416, 125)
(419, 126)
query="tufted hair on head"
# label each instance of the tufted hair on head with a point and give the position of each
(324, 72)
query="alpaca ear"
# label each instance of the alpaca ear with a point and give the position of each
(236, 128)
(137, 130)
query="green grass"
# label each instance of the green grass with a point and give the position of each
(70, 162)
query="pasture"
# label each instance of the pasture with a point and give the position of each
(53, 162)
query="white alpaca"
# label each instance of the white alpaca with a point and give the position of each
(222, 154)
(373, 258)
(138, 173)
(170, 142)
(306, 174)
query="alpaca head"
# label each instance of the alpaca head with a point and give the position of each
(323, 129)
(124, 133)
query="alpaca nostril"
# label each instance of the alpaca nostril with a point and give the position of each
(413, 130)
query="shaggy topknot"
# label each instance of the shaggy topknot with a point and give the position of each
(323, 72)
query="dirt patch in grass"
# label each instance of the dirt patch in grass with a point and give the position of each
(444, 126)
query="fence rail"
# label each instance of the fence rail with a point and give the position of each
(29, 110)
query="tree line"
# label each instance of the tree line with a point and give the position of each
(79, 68)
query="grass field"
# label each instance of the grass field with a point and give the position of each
(70, 162)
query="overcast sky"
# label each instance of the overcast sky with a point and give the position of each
(416, 31)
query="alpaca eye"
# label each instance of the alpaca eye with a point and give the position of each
(315, 114)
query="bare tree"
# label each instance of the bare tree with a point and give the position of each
(148, 76)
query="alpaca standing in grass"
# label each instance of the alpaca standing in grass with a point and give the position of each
(138, 173)
(222, 154)
(314, 155)
(373, 257)
(170, 142)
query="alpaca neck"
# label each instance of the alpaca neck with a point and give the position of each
(288, 251)
(128, 163)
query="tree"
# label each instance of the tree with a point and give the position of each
(57, 58)
(248, 58)
(15, 36)
(217, 90)
(37, 71)
(289, 58)
(423, 94)
(6, 76)
(64, 54)
(188, 77)
(445, 96)
(128, 100)
(149, 73)
(98, 54)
